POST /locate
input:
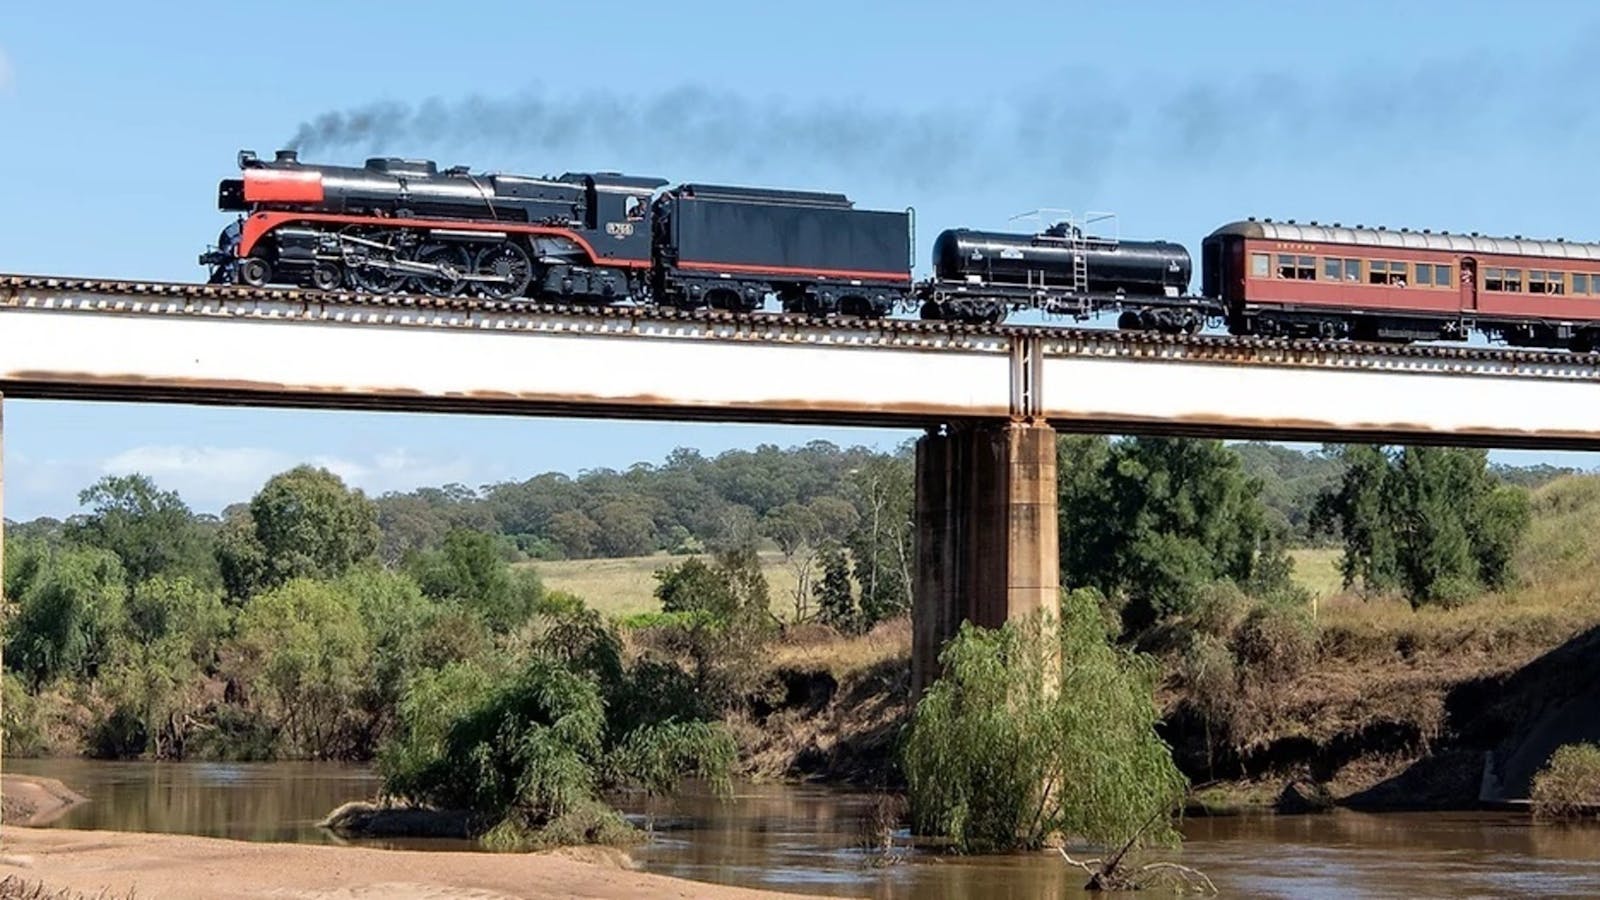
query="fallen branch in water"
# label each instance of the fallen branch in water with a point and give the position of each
(1107, 875)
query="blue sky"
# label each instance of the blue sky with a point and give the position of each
(120, 120)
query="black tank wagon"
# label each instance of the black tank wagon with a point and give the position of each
(979, 275)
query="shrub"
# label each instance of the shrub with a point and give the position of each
(1275, 643)
(528, 759)
(1011, 746)
(1568, 787)
(1219, 608)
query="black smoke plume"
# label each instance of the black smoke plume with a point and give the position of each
(684, 124)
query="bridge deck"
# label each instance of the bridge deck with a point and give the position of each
(139, 341)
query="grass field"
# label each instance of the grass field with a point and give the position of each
(1317, 570)
(624, 586)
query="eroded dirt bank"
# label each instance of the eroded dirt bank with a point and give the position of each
(178, 867)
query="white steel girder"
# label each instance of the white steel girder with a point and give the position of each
(194, 344)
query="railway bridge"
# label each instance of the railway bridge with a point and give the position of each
(990, 398)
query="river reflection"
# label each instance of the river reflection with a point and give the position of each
(808, 839)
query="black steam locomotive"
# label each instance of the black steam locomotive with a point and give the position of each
(397, 225)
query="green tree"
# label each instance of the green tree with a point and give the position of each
(70, 617)
(180, 608)
(1151, 521)
(155, 684)
(307, 525)
(1433, 522)
(397, 620)
(624, 528)
(150, 530)
(530, 757)
(575, 533)
(836, 602)
(1011, 746)
(303, 653)
(694, 586)
(881, 544)
(469, 569)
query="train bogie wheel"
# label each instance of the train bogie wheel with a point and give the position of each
(255, 271)
(507, 269)
(326, 277)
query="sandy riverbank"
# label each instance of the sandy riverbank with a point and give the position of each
(29, 800)
(178, 867)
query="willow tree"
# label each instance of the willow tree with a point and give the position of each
(1010, 748)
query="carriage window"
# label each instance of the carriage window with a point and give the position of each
(1382, 272)
(1260, 265)
(1341, 269)
(1580, 283)
(1297, 268)
(1542, 282)
(1441, 276)
(1424, 274)
(1508, 280)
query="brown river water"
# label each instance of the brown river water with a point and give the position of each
(803, 838)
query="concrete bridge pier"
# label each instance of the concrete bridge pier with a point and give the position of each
(986, 533)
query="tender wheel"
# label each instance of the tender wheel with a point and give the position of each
(453, 262)
(255, 271)
(508, 267)
(326, 277)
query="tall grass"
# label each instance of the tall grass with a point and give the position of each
(1568, 787)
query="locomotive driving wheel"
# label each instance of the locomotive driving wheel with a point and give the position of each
(369, 255)
(450, 263)
(504, 271)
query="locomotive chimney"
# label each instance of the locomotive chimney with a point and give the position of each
(288, 156)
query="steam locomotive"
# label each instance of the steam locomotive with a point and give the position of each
(399, 225)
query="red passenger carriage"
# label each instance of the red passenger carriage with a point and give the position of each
(1283, 278)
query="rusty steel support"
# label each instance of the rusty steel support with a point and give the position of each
(987, 546)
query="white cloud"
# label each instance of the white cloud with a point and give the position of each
(210, 478)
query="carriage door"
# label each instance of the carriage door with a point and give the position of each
(1469, 284)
